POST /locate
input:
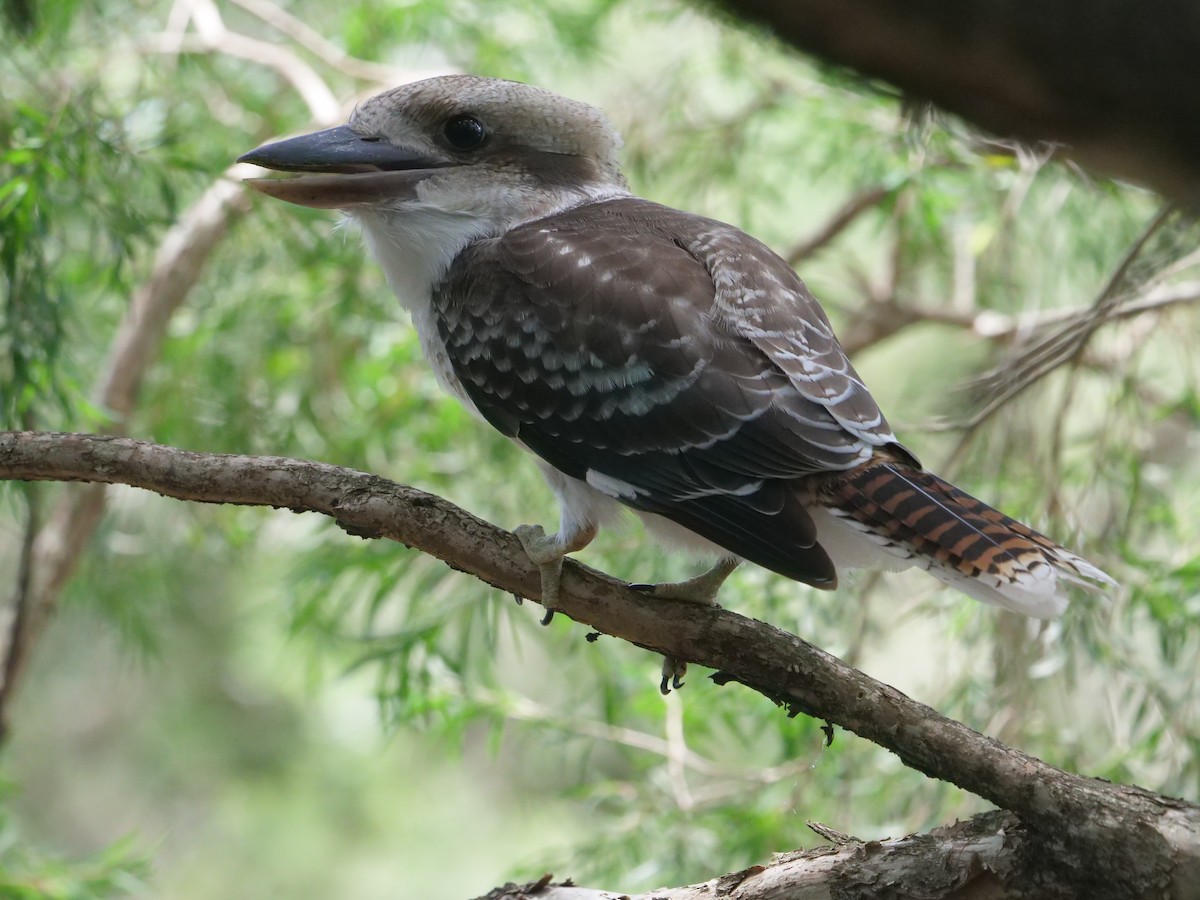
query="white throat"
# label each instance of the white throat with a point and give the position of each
(415, 245)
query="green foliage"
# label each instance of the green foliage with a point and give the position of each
(116, 871)
(31, 323)
(246, 637)
(76, 206)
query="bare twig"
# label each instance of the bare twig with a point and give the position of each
(879, 320)
(838, 222)
(322, 104)
(20, 605)
(728, 780)
(1064, 345)
(677, 754)
(527, 710)
(316, 43)
(212, 36)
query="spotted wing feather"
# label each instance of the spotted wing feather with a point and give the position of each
(669, 358)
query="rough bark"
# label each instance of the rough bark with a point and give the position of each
(1085, 837)
(1117, 81)
(971, 860)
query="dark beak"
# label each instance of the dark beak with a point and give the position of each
(339, 167)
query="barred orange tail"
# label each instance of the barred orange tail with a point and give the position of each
(914, 515)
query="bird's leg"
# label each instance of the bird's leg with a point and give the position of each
(546, 551)
(701, 589)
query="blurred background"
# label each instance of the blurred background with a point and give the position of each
(240, 702)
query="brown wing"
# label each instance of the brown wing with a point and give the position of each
(672, 362)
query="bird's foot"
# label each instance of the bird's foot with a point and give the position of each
(673, 671)
(546, 552)
(702, 589)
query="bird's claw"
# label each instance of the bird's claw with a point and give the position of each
(703, 590)
(673, 671)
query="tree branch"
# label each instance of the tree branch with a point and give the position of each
(846, 215)
(874, 322)
(1100, 839)
(213, 37)
(1111, 79)
(1063, 346)
(965, 860)
(329, 53)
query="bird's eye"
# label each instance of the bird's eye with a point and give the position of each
(465, 132)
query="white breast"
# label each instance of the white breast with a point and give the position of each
(415, 248)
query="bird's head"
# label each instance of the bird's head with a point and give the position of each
(458, 144)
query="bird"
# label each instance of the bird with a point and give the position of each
(649, 358)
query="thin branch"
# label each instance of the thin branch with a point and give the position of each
(1064, 345)
(677, 754)
(312, 89)
(20, 605)
(526, 710)
(877, 321)
(212, 36)
(732, 780)
(841, 220)
(1112, 289)
(315, 43)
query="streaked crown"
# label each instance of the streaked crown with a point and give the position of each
(474, 120)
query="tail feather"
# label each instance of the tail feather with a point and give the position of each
(960, 540)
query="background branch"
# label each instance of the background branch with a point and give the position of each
(330, 54)
(845, 216)
(1107, 79)
(212, 36)
(1084, 829)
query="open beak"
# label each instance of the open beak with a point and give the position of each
(339, 168)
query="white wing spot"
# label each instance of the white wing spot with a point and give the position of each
(613, 487)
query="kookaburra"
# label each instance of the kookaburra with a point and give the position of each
(649, 358)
